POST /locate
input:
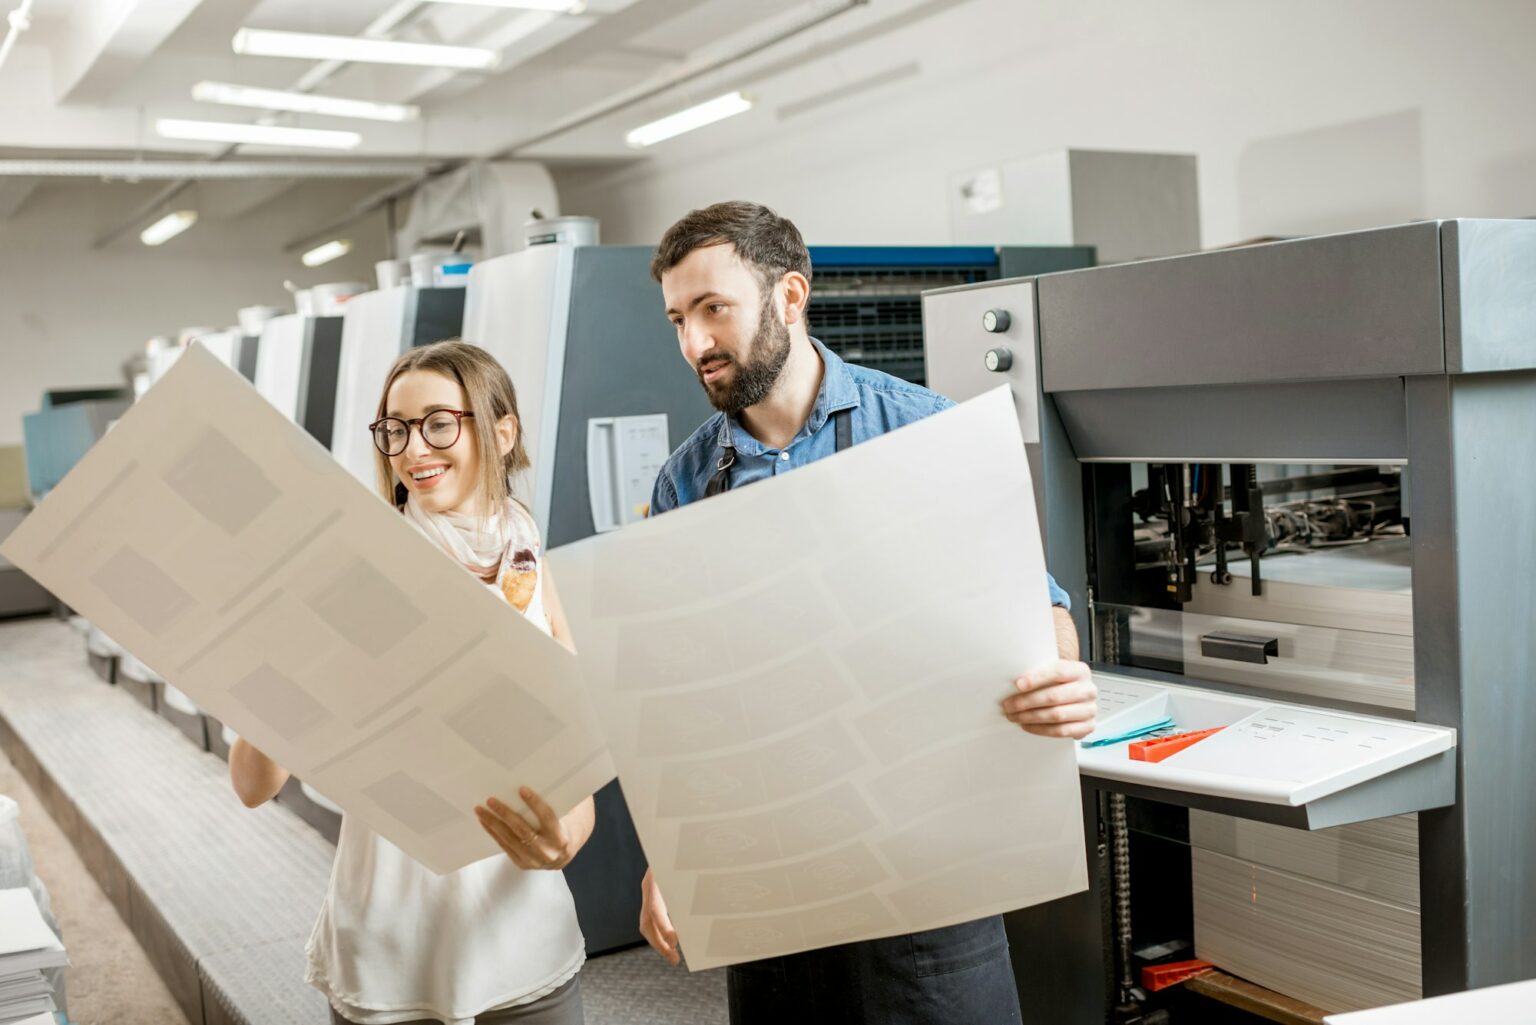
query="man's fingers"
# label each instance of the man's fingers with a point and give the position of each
(655, 923)
(1048, 673)
(1071, 731)
(1074, 693)
(661, 937)
(1056, 715)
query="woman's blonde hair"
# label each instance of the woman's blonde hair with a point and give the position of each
(490, 395)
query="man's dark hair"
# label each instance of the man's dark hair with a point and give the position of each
(771, 245)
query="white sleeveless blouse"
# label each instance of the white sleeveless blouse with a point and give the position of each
(397, 942)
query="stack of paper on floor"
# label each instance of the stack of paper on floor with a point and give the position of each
(27, 946)
(1328, 917)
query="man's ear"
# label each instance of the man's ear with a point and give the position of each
(797, 294)
(507, 430)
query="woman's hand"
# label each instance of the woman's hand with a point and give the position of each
(550, 845)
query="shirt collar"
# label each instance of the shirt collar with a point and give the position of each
(837, 392)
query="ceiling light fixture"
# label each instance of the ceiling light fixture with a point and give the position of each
(254, 42)
(707, 113)
(258, 135)
(556, 6)
(168, 227)
(326, 252)
(302, 103)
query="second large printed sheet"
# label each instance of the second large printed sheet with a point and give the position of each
(801, 681)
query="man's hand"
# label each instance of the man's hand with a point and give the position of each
(1057, 699)
(550, 846)
(655, 924)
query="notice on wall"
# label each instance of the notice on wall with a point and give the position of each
(801, 684)
(220, 544)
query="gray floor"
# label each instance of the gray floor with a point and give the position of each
(109, 981)
(133, 777)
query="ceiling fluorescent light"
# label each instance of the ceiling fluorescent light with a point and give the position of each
(557, 6)
(327, 252)
(255, 42)
(168, 227)
(301, 103)
(717, 109)
(259, 135)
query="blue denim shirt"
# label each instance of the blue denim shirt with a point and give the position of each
(879, 402)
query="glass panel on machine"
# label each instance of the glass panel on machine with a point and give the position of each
(1290, 580)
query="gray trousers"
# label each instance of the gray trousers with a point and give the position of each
(562, 1007)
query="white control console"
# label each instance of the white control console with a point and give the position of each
(1266, 753)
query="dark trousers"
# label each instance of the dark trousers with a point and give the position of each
(959, 975)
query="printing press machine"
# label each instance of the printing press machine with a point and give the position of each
(297, 362)
(1284, 486)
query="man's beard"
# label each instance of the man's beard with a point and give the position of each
(755, 375)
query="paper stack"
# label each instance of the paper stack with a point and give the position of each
(1328, 917)
(27, 947)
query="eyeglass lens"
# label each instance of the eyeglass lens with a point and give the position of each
(439, 430)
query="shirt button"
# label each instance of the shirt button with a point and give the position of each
(784, 456)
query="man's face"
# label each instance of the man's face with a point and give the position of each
(728, 326)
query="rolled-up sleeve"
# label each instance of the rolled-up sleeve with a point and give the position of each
(1059, 597)
(664, 494)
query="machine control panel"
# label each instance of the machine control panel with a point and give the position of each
(624, 455)
(976, 338)
(1256, 750)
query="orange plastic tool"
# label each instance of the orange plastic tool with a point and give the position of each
(1161, 976)
(1158, 748)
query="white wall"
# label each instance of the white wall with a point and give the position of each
(70, 314)
(1307, 116)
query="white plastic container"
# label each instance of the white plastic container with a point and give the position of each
(392, 272)
(252, 317)
(567, 231)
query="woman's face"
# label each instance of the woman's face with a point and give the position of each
(442, 480)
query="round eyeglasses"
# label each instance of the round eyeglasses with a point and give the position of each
(439, 429)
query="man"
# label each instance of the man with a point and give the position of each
(736, 278)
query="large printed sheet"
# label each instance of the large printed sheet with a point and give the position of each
(224, 547)
(1509, 1004)
(801, 685)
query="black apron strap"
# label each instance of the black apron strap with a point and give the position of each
(721, 480)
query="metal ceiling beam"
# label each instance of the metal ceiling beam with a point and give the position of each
(163, 170)
(581, 118)
(155, 204)
(398, 15)
(107, 40)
